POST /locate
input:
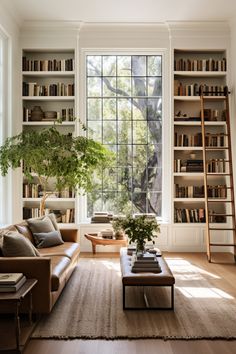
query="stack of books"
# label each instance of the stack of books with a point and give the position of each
(101, 217)
(150, 249)
(108, 234)
(11, 282)
(145, 263)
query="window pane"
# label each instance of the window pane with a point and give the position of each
(94, 109)
(125, 113)
(154, 65)
(124, 109)
(94, 65)
(109, 86)
(94, 87)
(124, 65)
(109, 65)
(109, 108)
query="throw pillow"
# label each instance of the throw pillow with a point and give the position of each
(16, 245)
(47, 239)
(40, 225)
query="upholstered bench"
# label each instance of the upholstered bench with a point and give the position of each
(163, 279)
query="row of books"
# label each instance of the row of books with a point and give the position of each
(48, 65)
(189, 191)
(58, 89)
(197, 216)
(181, 89)
(188, 165)
(217, 140)
(189, 215)
(145, 263)
(62, 216)
(215, 191)
(200, 64)
(66, 114)
(34, 190)
(216, 166)
(11, 282)
(188, 139)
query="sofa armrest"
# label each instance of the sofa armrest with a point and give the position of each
(37, 268)
(70, 235)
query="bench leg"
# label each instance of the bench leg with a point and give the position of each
(124, 297)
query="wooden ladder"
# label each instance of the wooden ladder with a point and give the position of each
(228, 202)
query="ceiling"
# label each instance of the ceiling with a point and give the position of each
(121, 10)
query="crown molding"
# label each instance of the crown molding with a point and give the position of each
(198, 28)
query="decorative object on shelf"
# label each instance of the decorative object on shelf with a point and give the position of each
(139, 229)
(70, 161)
(36, 113)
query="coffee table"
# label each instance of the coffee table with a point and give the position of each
(98, 240)
(163, 279)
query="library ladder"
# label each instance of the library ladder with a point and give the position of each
(228, 215)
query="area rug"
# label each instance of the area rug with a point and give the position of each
(90, 306)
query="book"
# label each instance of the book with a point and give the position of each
(138, 264)
(146, 270)
(10, 278)
(146, 256)
(12, 288)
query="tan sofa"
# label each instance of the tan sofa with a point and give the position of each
(52, 270)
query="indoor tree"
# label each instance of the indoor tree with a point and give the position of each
(50, 155)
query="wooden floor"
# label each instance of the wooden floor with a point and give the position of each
(222, 266)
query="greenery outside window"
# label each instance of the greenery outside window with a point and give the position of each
(124, 112)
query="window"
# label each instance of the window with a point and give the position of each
(124, 112)
(1, 116)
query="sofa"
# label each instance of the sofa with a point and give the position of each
(52, 267)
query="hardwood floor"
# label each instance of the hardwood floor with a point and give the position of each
(224, 268)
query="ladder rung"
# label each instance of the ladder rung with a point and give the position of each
(218, 214)
(219, 229)
(222, 244)
(216, 148)
(219, 201)
(218, 174)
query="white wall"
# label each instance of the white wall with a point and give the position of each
(11, 125)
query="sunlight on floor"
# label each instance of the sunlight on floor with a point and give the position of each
(112, 265)
(187, 270)
(207, 293)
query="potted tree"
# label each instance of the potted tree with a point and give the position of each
(50, 155)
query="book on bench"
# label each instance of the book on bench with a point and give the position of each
(10, 278)
(146, 270)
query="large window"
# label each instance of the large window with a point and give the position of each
(124, 112)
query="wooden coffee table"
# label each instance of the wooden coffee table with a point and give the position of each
(98, 240)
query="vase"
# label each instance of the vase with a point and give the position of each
(37, 113)
(140, 247)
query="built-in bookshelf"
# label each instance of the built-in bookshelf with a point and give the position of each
(193, 69)
(48, 95)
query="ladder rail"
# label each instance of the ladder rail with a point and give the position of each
(228, 173)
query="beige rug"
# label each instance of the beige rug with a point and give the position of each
(91, 306)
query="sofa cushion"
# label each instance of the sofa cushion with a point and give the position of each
(24, 229)
(16, 245)
(68, 249)
(59, 266)
(48, 239)
(40, 225)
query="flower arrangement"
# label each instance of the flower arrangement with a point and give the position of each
(139, 229)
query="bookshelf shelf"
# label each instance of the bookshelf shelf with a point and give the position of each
(41, 123)
(48, 71)
(201, 73)
(48, 200)
(186, 102)
(48, 98)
